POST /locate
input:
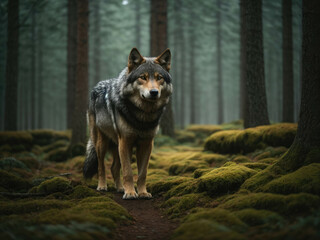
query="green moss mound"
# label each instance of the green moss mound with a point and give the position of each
(45, 136)
(78, 150)
(12, 182)
(248, 140)
(29, 206)
(186, 166)
(224, 179)
(10, 163)
(306, 179)
(56, 184)
(57, 155)
(206, 230)
(283, 204)
(54, 145)
(81, 191)
(218, 215)
(16, 138)
(164, 185)
(254, 217)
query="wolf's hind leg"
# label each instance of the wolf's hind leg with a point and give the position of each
(115, 168)
(101, 148)
(143, 153)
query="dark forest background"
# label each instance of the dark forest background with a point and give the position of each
(204, 37)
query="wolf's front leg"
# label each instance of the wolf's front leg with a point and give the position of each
(125, 153)
(144, 149)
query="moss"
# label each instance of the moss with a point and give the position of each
(29, 206)
(186, 166)
(283, 204)
(248, 140)
(57, 155)
(54, 145)
(12, 182)
(254, 217)
(81, 191)
(306, 179)
(218, 215)
(78, 150)
(56, 184)
(45, 136)
(256, 166)
(258, 180)
(224, 179)
(163, 140)
(30, 162)
(241, 159)
(204, 130)
(269, 160)
(9, 163)
(183, 136)
(164, 185)
(199, 172)
(215, 159)
(16, 138)
(206, 230)
(188, 186)
(178, 206)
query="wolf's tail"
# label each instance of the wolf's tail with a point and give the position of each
(90, 167)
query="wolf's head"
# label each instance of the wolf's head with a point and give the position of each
(148, 78)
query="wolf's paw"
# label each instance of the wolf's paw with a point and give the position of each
(104, 188)
(145, 195)
(130, 195)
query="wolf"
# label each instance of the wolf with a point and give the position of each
(124, 113)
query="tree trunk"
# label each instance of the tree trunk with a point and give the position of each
(243, 92)
(192, 68)
(159, 42)
(257, 113)
(138, 22)
(33, 69)
(182, 79)
(306, 146)
(97, 43)
(219, 64)
(79, 127)
(287, 61)
(11, 93)
(71, 59)
(40, 76)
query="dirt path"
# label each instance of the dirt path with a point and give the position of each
(149, 222)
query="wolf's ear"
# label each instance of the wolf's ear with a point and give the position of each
(135, 59)
(165, 59)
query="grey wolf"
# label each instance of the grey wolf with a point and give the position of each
(123, 114)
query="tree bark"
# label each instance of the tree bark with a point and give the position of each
(40, 75)
(138, 22)
(11, 90)
(97, 43)
(243, 66)
(257, 113)
(306, 146)
(71, 59)
(219, 64)
(79, 127)
(159, 42)
(287, 61)
(33, 69)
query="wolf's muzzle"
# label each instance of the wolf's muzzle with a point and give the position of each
(154, 93)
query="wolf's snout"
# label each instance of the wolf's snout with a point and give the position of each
(154, 92)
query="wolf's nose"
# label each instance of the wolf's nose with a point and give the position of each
(154, 92)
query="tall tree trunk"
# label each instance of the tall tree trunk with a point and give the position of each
(306, 146)
(243, 92)
(79, 127)
(40, 75)
(138, 22)
(257, 112)
(219, 63)
(159, 42)
(33, 69)
(96, 43)
(182, 79)
(287, 61)
(192, 68)
(11, 90)
(71, 59)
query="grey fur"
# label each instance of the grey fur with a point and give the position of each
(118, 108)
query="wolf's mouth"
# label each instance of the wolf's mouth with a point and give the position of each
(151, 99)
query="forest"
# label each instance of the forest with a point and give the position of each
(237, 154)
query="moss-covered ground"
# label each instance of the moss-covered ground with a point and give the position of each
(216, 181)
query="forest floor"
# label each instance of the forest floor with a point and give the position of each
(210, 182)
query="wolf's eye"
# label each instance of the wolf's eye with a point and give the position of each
(159, 77)
(143, 77)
